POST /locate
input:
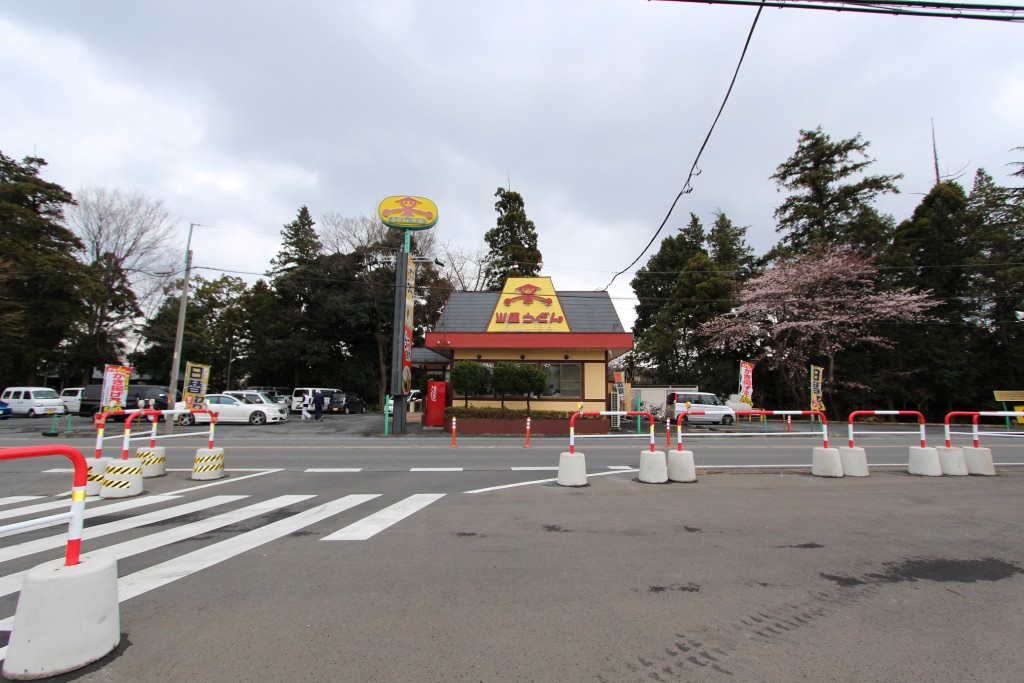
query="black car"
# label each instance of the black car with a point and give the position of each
(90, 403)
(343, 402)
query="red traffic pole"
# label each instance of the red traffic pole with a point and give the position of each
(453, 433)
(527, 432)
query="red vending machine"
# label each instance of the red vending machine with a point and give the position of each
(435, 403)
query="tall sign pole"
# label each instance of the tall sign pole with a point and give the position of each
(407, 214)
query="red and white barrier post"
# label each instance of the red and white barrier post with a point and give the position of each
(67, 614)
(977, 459)
(825, 461)
(923, 461)
(572, 469)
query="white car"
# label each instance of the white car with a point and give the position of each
(33, 401)
(715, 412)
(232, 409)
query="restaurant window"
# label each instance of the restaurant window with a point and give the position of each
(563, 379)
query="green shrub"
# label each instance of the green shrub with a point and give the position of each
(489, 413)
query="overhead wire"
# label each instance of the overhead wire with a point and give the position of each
(694, 170)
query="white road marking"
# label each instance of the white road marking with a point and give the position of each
(377, 522)
(108, 528)
(12, 583)
(11, 500)
(535, 469)
(332, 470)
(436, 469)
(226, 480)
(619, 467)
(166, 572)
(89, 511)
(545, 481)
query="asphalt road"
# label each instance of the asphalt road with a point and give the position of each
(442, 564)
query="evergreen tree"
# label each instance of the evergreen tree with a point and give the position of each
(512, 242)
(728, 248)
(42, 274)
(831, 200)
(300, 244)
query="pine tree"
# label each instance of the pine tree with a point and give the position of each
(300, 244)
(512, 242)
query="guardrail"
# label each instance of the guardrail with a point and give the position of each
(818, 413)
(76, 514)
(572, 423)
(857, 413)
(155, 416)
(974, 433)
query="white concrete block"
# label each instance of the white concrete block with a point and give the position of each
(572, 469)
(680, 466)
(854, 461)
(653, 467)
(123, 478)
(924, 462)
(67, 617)
(979, 461)
(97, 469)
(951, 461)
(208, 464)
(154, 461)
(825, 462)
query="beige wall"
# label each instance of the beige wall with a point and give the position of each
(533, 355)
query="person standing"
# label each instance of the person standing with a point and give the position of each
(306, 401)
(318, 405)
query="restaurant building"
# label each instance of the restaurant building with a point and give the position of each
(571, 336)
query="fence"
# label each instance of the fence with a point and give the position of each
(975, 433)
(603, 413)
(76, 514)
(154, 415)
(857, 413)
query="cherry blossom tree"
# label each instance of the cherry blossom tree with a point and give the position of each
(810, 308)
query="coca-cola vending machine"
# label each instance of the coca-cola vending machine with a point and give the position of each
(436, 392)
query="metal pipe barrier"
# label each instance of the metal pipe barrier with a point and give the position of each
(155, 416)
(920, 421)
(76, 514)
(818, 413)
(975, 432)
(679, 425)
(572, 423)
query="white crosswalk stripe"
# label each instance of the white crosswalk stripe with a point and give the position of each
(170, 533)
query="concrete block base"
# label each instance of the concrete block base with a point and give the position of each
(123, 479)
(653, 467)
(572, 469)
(680, 466)
(154, 461)
(854, 461)
(825, 462)
(97, 470)
(208, 464)
(951, 461)
(924, 462)
(979, 461)
(67, 617)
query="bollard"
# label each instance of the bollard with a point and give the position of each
(680, 466)
(854, 461)
(825, 462)
(572, 469)
(924, 461)
(952, 461)
(154, 461)
(208, 464)
(122, 478)
(653, 467)
(453, 433)
(979, 461)
(527, 432)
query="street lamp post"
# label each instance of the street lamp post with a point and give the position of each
(172, 389)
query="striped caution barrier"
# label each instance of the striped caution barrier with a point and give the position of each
(122, 479)
(97, 470)
(208, 464)
(154, 461)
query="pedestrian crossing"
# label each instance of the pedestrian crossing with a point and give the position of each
(172, 519)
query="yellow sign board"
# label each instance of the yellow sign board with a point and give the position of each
(528, 304)
(403, 212)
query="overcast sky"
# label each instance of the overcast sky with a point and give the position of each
(235, 114)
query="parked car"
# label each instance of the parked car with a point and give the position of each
(278, 394)
(5, 411)
(91, 395)
(258, 397)
(72, 399)
(715, 412)
(233, 409)
(343, 402)
(32, 401)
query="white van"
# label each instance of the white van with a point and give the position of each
(715, 412)
(300, 393)
(72, 399)
(33, 401)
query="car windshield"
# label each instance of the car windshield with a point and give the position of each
(46, 393)
(266, 397)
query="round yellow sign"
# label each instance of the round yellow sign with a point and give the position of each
(403, 212)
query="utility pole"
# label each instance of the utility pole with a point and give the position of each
(172, 388)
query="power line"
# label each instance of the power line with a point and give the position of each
(912, 8)
(694, 171)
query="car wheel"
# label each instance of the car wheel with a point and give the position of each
(187, 420)
(346, 409)
(258, 418)
(727, 420)
(31, 413)
(362, 409)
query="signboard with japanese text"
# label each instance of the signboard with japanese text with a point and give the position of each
(410, 300)
(528, 304)
(115, 387)
(746, 389)
(817, 398)
(197, 378)
(403, 212)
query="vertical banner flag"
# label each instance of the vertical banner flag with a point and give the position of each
(115, 387)
(817, 400)
(197, 377)
(410, 300)
(746, 390)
